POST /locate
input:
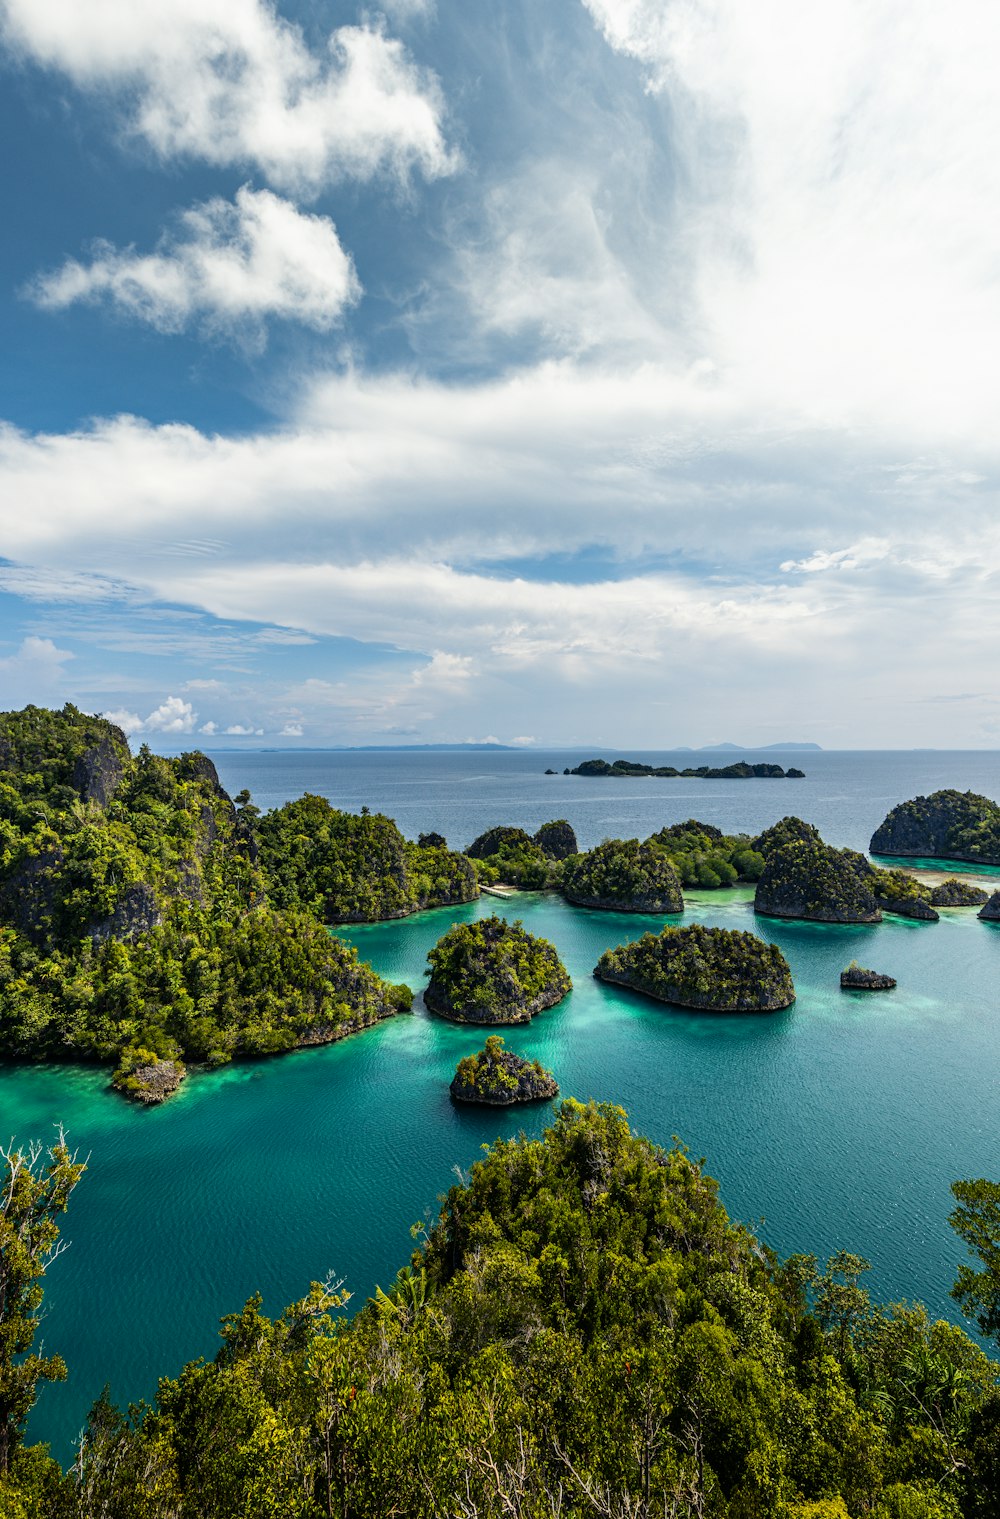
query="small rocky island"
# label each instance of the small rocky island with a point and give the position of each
(147, 1077)
(807, 879)
(947, 825)
(954, 892)
(492, 971)
(713, 969)
(857, 978)
(622, 875)
(990, 911)
(497, 1078)
(740, 770)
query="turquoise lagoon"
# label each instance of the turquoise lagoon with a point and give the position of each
(838, 1123)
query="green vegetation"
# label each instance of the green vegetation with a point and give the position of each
(953, 892)
(557, 839)
(138, 923)
(739, 770)
(707, 858)
(584, 1332)
(512, 856)
(345, 868)
(497, 1077)
(492, 971)
(947, 825)
(718, 969)
(897, 892)
(623, 875)
(788, 830)
(805, 878)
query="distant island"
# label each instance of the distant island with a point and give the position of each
(741, 770)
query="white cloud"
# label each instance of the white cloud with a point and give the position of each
(242, 730)
(35, 669)
(233, 83)
(208, 728)
(173, 715)
(292, 730)
(129, 722)
(229, 266)
(840, 206)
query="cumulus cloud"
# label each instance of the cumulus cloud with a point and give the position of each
(37, 659)
(230, 266)
(292, 730)
(242, 730)
(231, 82)
(172, 716)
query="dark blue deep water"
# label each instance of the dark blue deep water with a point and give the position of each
(838, 1123)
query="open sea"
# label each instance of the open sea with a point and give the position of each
(836, 1124)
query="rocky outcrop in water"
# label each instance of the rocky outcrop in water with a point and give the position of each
(492, 971)
(148, 1079)
(947, 825)
(856, 978)
(956, 893)
(815, 882)
(714, 969)
(622, 875)
(898, 893)
(990, 911)
(496, 1077)
(788, 830)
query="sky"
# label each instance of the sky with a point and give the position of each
(618, 371)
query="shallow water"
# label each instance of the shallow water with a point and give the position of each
(840, 1122)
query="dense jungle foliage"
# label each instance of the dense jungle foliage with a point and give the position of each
(623, 875)
(583, 1332)
(138, 922)
(705, 857)
(512, 856)
(492, 971)
(713, 968)
(349, 868)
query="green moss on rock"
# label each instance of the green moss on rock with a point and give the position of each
(715, 969)
(622, 875)
(492, 971)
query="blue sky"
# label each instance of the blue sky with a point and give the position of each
(602, 370)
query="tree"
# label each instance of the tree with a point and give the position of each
(36, 1188)
(976, 1220)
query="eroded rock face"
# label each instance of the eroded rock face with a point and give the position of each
(947, 825)
(29, 895)
(136, 913)
(496, 1077)
(816, 883)
(558, 839)
(98, 773)
(990, 911)
(857, 978)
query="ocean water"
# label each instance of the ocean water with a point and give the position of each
(838, 1123)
